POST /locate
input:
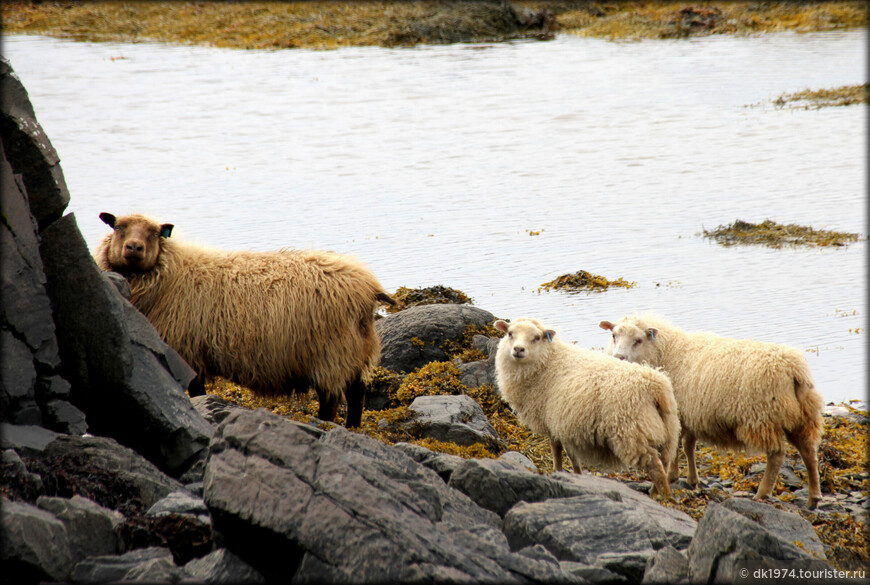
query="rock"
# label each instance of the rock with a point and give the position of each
(91, 528)
(29, 150)
(115, 472)
(519, 461)
(126, 380)
(17, 481)
(414, 337)
(726, 539)
(221, 567)
(441, 463)
(482, 372)
(609, 526)
(183, 503)
(213, 408)
(498, 485)
(27, 440)
(347, 507)
(63, 416)
(121, 285)
(153, 565)
(789, 527)
(34, 547)
(668, 565)
(591, 574)
(452, 419)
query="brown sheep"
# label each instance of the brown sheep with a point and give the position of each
(276, 322)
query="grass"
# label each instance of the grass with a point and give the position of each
(331, 24)
(773, 235)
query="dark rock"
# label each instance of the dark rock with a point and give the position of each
(609, 525)
(790, 527)
(482, 372)
(347, 507)
(104, 471)
(120, 283)
(726, 539)
(430, 326)
(631, 565)
(34, 547)
(221, 567)
(27, 440)
(126, 380)
(591, 574)
(90, 527)
(668, 565)
(62, 416)
(152, 565)
(29, 150)
(452, 419)
(17, 374)
(441, 463)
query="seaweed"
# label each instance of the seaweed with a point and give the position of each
(774, 235)
(847, 95)
(585, 281)
(432, 295)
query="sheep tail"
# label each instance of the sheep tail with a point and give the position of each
(385, 298)
(810, 402)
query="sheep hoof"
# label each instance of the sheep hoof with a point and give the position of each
(812, 502)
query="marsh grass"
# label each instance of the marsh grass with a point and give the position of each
(330, 24)
(774, 235)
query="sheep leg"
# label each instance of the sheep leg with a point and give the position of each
(689, 441)
(658, 475)
(774, 462)
(556, 447)
(196, 386)
(575, 464)
(808, 453)
(356, 398)
(328, 405)
(674, 467)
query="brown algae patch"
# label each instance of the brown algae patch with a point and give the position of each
(773, 235)
(331, 24)
(846, 95)
(432, 295)
(585, 281)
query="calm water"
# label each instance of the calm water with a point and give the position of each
(433, 164)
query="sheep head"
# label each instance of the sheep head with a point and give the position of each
(632, 340)
(135, 242)
(526, 339)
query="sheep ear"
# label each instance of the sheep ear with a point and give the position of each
(550, 335)
(501, 325)
(652, 332)
(108, 219)
(606, 325)
(166, 230)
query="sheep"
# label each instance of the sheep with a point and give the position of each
(734, 393)
(600, 410)
(276, 322)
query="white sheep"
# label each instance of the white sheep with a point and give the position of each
(734, 393)
(602, 411)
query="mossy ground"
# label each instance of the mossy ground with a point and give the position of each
(842, 454)
(584, 281)
(331, 24)
(774, 235)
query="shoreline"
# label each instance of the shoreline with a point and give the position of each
(332, 25)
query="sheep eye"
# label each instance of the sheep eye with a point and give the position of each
(537, 338)
(638, 342)
(510, 335)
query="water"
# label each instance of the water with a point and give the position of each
(433, 164)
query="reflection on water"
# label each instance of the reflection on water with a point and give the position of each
(433, 164)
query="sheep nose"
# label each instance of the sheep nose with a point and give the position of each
(619, 356)
(134, 247)
(519, 352)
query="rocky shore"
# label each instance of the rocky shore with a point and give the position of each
(110, 473)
